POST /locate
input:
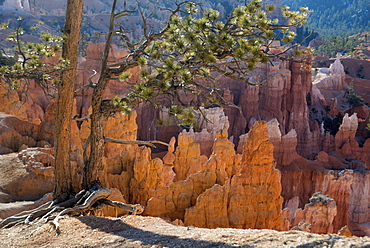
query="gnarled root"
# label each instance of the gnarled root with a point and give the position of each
(85, 201)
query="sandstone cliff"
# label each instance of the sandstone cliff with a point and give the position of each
(204, 179)
(249, 199)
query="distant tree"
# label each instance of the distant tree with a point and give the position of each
(339, 44)
(368, 129)
(304, 36)
(335, 17)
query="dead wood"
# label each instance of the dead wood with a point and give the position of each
(85, 201)
(135, 209)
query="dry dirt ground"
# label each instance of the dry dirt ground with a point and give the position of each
(141, 231)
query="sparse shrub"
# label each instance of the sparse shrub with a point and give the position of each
(352, 98)
(368, 128)
(309, 99)
(332, 125)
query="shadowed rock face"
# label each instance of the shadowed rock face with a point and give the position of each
(12, 3)
(342, 174)
(283, 96)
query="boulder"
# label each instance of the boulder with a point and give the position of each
(22, 182)
(15, 133)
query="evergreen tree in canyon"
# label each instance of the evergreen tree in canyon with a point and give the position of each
(186, 57)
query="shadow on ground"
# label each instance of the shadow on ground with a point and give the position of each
(135, 237)
(131, 234)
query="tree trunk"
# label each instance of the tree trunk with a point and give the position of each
(63, 176)
(94, 164)
(101, 110)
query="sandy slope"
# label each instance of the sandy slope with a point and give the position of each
(140, 231)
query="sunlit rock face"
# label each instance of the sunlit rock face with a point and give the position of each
(250, 199)
(10, 102)
(215, 195)
(193, 176)
(15, 134)
(332, 78)
(319, 212)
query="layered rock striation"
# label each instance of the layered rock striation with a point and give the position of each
(250, 198)
(238, 169)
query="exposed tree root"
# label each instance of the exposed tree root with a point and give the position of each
(86, 201)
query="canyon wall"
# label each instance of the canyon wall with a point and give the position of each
(20, 4)
(338, 174)
(253, 167)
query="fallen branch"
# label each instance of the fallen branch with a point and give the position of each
(135, 209)
(76, 118)
(136, 142)
(85, 201)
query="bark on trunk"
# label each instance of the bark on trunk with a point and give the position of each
(95, 163)
(99, 116)
(63, 176)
